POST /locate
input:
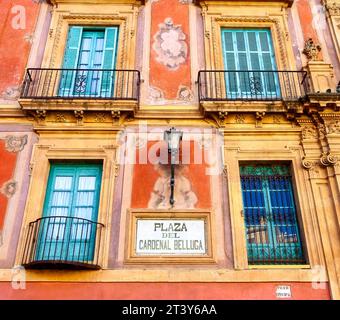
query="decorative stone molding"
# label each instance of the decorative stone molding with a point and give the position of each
(328, 159)
(115, 114)
(307, 164)
(39, 115)
(259, 117)
(333, 8)
(321, 76)
(309, 132)
(311, 50)
(333, 127)
(107, 13)
(79, 115)
(239, 118)
(223, 115)
(60, 117)
(15, 143)
(100, 117)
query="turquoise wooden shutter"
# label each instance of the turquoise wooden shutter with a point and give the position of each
(248, 50)
(70, 60)
(230, 52)
(68, 230)
(109, 60)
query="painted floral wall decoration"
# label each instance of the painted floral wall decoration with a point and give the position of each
(15, 144)
(9, 188)
(169, 44)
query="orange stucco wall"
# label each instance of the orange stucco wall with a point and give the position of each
(7, 165)
(145, 176)
(161, 76)
(159, 291)
(17, 22)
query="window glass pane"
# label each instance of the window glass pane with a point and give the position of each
(228, 41)
(252, 41)
(86, 183)
(241, 45)
(63, 183)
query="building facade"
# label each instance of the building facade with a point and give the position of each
(176, 149)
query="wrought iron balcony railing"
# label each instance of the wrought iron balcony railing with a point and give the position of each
(259, 85)
(62, 242)
(109, 84)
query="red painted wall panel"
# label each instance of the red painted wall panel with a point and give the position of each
(160, 76)
(7, 166)
(160, 291)
(17, 22)
(145, 177)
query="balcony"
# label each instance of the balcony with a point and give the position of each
(90, 89)
(244, 90)
(60, 242)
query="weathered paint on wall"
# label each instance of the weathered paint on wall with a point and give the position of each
(8, 161)
(192, 185)
(16, 143)
(170, 54)
(18, 19)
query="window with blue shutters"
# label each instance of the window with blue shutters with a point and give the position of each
(67, 230)
(269, 210)
(90, 56)
(249, 62)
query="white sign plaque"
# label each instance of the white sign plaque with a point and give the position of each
(283, 292)
(170, 237)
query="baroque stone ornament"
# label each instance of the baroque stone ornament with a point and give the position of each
(169, 45)
(15, 143)
(79, 115)
(334, 127)
(309, 132)
(9, 188)
(328, 159)
(239, 118)
(311, 50)
(333, 8)
(307, 164)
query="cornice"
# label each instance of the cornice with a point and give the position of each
(133, 2)
(288, 3)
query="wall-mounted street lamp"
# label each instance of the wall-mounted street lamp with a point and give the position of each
(173, 138)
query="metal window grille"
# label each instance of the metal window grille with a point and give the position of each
(272, 230)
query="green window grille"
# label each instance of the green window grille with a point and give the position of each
(272, 230)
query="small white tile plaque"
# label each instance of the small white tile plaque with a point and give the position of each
(283, 292)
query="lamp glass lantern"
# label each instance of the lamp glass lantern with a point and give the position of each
(173, 138)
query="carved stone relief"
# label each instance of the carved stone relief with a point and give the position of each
(309, 132)
(334, 127)
(311, 50)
